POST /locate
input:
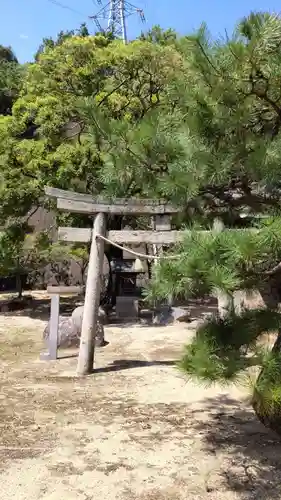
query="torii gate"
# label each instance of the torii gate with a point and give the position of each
(99, 207)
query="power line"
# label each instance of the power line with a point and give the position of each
(66, 7)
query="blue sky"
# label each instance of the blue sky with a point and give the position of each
(24, 23)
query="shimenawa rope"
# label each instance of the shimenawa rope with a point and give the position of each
(137, 254)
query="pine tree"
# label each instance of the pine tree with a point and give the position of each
(233, 119)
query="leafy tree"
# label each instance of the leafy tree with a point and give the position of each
(22, 252)
(69, 149)
(60, 255)
(234, 118)
(7, 55)
(157, 35)
(10, 79)
(50, 43)
(60, 252)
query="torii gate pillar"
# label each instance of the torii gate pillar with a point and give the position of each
(92, 298)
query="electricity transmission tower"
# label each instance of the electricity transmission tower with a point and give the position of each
(116, 13)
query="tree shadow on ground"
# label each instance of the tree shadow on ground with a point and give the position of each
(254, 470)
(40, 308)
(126, 364)
(36, 307)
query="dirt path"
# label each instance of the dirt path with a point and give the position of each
(135, 430)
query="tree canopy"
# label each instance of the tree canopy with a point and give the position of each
(50, 43)
(10, 77)
(82, 98)
(7, 54)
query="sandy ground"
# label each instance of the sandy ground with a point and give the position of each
(134, 430)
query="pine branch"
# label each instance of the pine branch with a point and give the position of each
(224, 349)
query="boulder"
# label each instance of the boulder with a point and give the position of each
(69, 333)
(181, 315)
(77, 316)
(167, 315)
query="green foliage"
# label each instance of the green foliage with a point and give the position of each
(157, 35)
(50, 43)
(138, 157)
(54, 138)
(267, 391)
(11, 74)
(22, 252)
(234, 106)
(7, 55)
(224, 348)
(234, 118)
(228, 261)
(186, 118)
(60, 252)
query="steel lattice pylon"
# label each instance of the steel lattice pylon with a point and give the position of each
(116, 12)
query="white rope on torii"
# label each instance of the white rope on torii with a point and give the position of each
(138, 254)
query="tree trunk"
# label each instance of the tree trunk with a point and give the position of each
(266, 406)
(225, 300)
(19, 286)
